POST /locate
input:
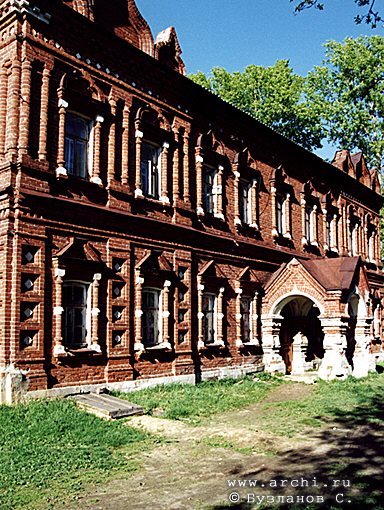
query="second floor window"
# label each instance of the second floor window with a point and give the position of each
(245, 196)
(150, 168)
(280, 214)
(77, 137)
(209, 190)
(353, 238)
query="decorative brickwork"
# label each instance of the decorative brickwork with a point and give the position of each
(148, 229)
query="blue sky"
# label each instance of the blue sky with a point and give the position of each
(236, 33)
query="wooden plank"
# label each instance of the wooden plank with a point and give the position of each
(106, 406)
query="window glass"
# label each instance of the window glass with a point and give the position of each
(75, 314)
(150, 165)
(209, 320)
(308, 224)
(280, 214)
(353, 238)
(151, 316)
(209, 178)
(246, 319)
(77, 130)
(245, 196)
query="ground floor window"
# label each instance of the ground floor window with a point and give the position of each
(246, 324)
(210, 318)
(75, 304)
(151, 323)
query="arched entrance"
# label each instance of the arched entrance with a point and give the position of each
(301, 335)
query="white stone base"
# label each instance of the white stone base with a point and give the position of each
(274, 363)
(334, 365)
(13, 384)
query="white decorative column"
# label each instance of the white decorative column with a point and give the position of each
(138, 138)
(377, 246)
(112, 143)
(95, 311)
(199, 183)
(334, 243)
(287, 217)
(334, 364)
(125, 149)
(361, 357)
(239, 317)
(220, 317)
(218, 213)
(342, 231)
(300, 342)
(61, 171)
(200, 314)
(303, 205)
(139, 280)
(58, 310)
(237, 219)
(314, 233)
(272, 360)
(254, 318)
(175, 168)
(164, 174)
(349, 236)
(186, 195)
(165, 315)
(254, 204)
(95, 177)
(274, 232)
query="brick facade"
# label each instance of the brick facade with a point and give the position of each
(125, 183)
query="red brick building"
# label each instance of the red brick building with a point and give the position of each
(148, 229)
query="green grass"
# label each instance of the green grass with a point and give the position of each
(49, 449)
(193, 402)
(327, 400)
(222, 442)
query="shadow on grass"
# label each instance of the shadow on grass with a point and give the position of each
(344, 465)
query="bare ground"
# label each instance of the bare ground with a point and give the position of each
(190, 471)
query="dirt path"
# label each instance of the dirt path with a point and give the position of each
(191, 470)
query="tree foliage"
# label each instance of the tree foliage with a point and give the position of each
(273, 95)
(348, 91)
(371, 16)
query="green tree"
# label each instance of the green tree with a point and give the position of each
(371, 16)
(348, 92)
(273, 95)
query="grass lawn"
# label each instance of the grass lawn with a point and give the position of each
(360, 399)
(50, 448)
(192, 403)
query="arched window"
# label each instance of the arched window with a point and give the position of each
(77, 139)
(246, 191)
(150, 168)
(281, 205)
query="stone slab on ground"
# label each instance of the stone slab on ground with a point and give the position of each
(106, 406)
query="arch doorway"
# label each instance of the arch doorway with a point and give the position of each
(301, 335)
